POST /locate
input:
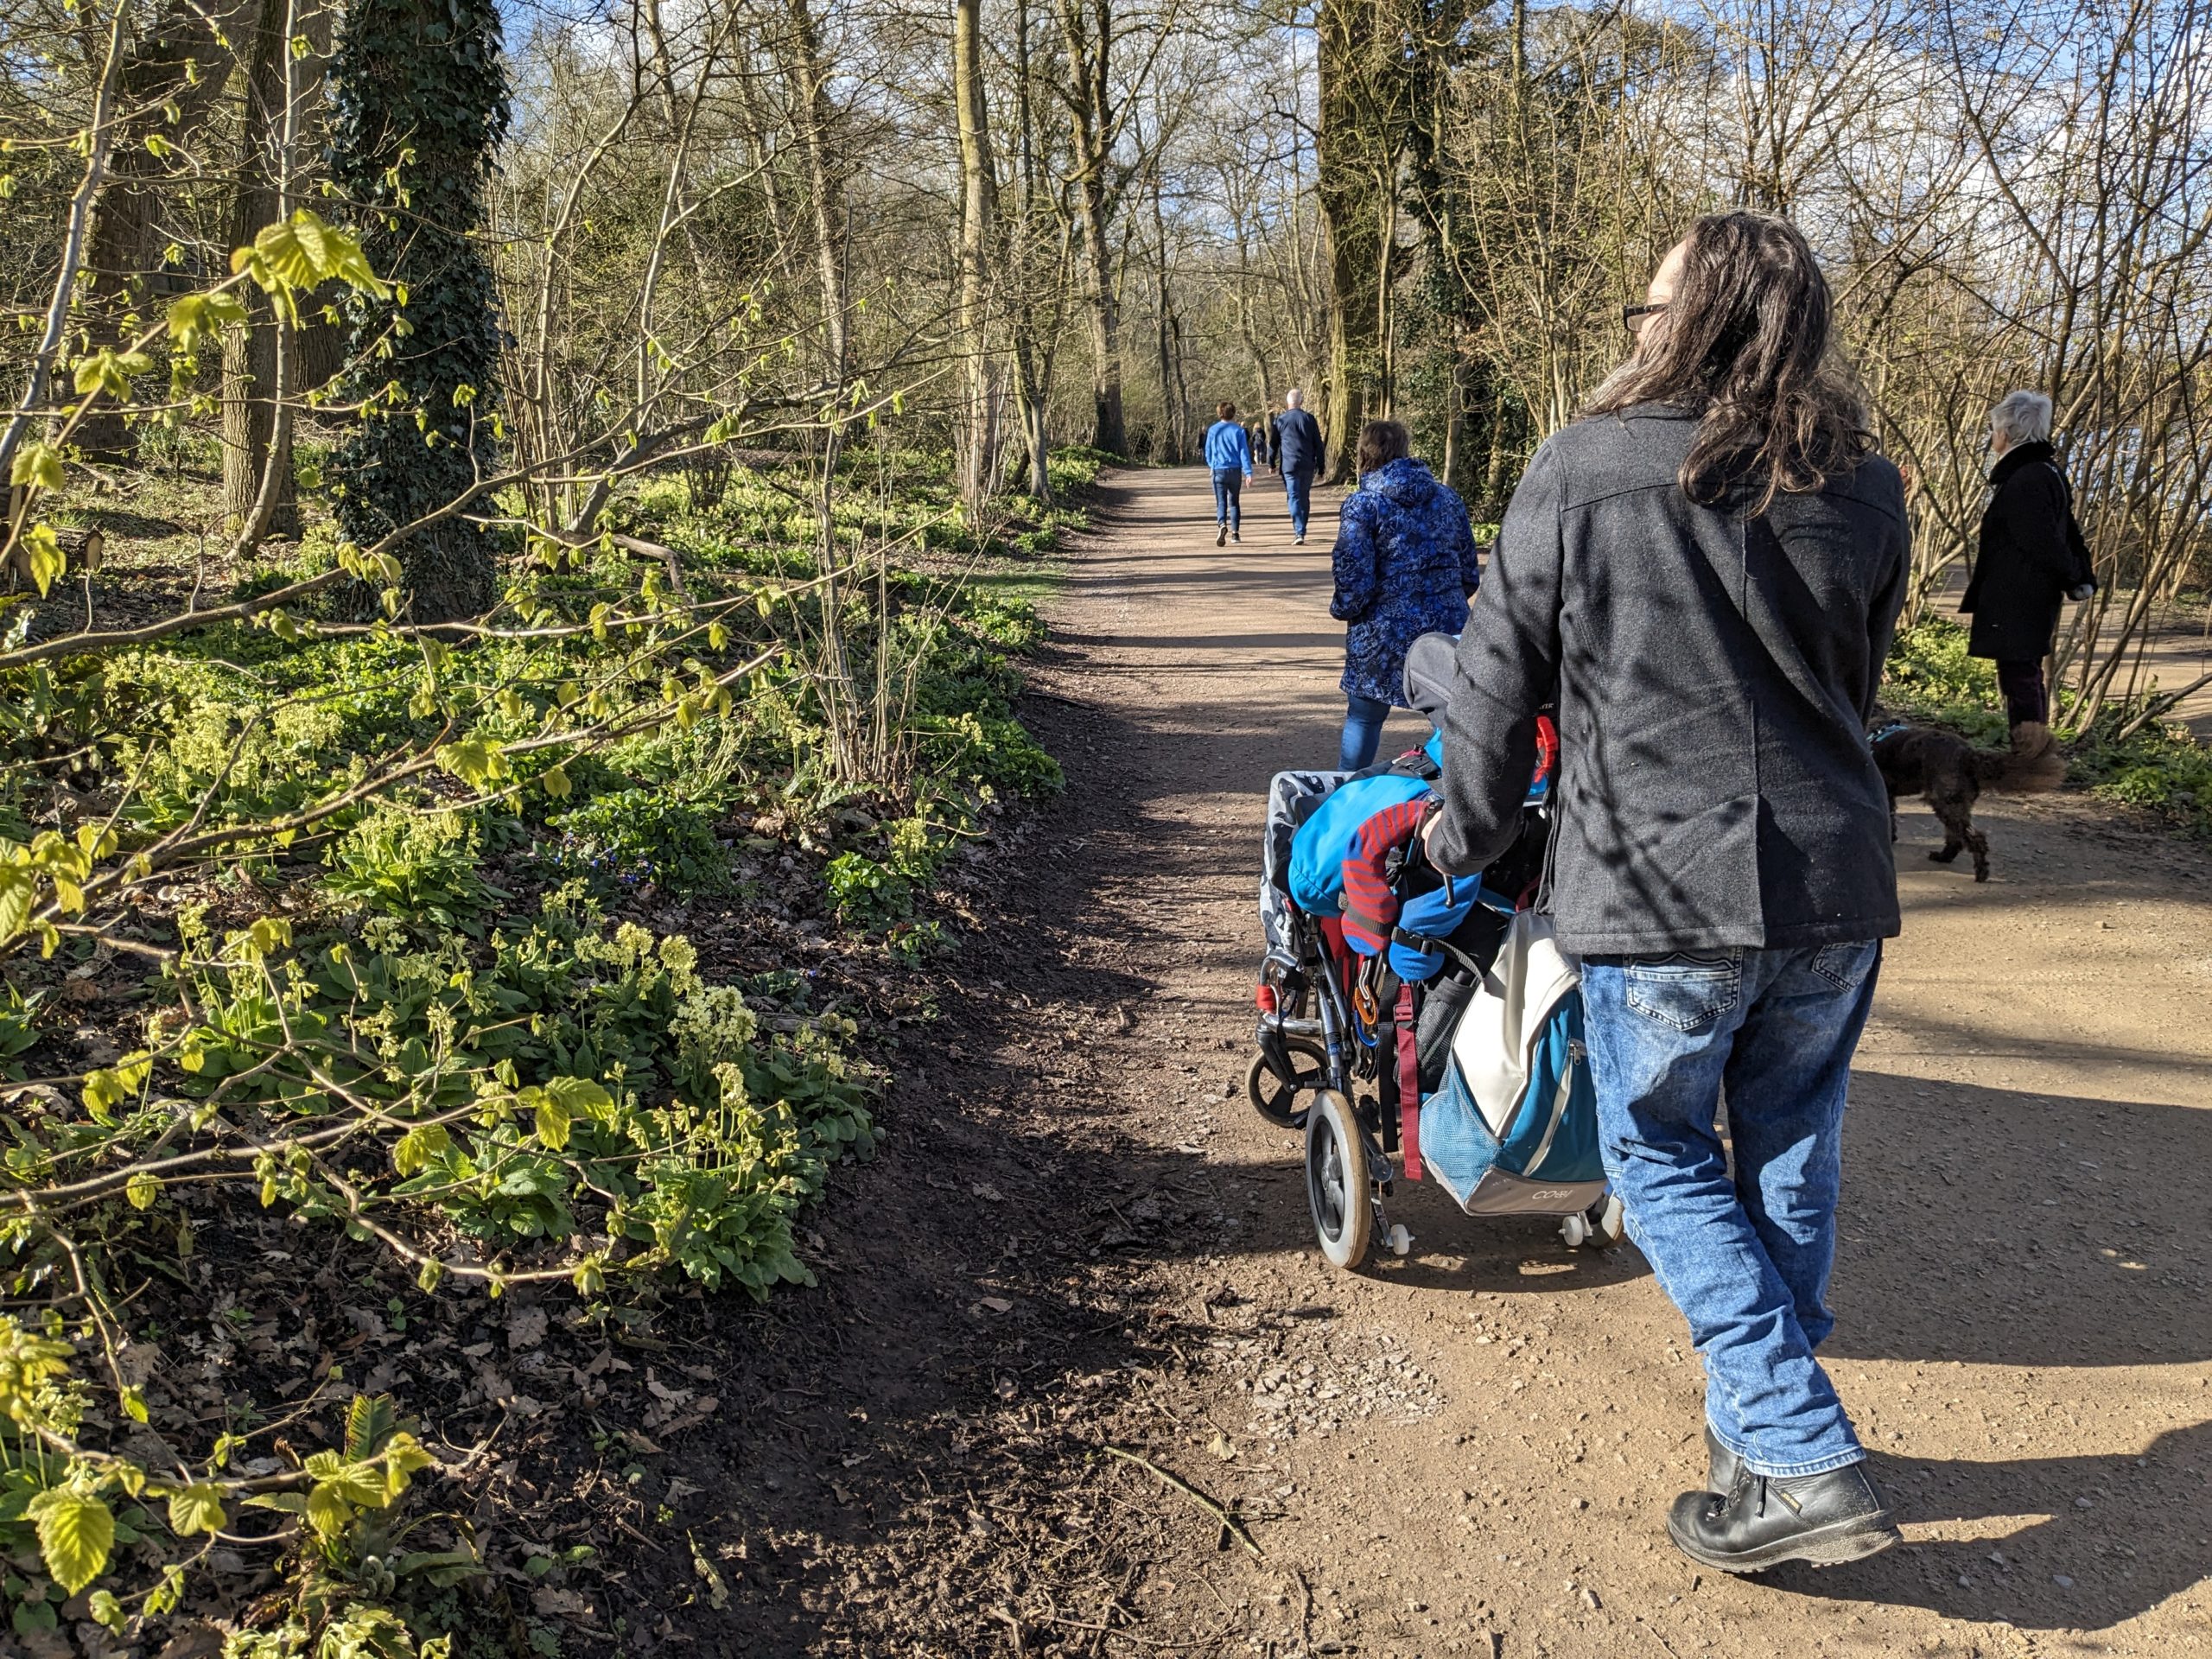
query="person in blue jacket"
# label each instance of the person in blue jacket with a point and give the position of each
(1298, 456)
(1228, 458)
(1405, 565)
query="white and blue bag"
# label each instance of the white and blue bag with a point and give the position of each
(1514, 1128)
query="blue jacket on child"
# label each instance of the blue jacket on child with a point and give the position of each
(1405, 566)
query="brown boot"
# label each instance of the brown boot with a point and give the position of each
(2037, 762)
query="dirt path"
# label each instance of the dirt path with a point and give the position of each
(1083, 1238)
(1490, 1432)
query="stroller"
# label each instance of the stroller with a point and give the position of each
(1356, 1026)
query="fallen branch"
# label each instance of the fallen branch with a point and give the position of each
(1229, 1522)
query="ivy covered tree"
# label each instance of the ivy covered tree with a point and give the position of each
(418, 100)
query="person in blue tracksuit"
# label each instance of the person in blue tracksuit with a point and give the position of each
(1228, 458)
(1298, 457)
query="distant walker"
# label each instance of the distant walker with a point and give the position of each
(1298, 456)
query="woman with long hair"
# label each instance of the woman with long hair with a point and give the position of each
(1704, 572)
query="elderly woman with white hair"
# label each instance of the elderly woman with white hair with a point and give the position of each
(2031, 559)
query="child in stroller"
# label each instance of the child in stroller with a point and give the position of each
(1371, 958)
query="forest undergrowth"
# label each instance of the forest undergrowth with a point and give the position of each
(398, 1023)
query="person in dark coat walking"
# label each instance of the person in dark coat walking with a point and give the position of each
(1704, 573)
(2031, 559)
(1405, 565)
(1297, 458)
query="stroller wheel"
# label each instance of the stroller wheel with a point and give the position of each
(1275, 1096)
(1600, 1227)
(1337, 1184)
(1608, 1222)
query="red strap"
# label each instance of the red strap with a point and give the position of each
(1408, 1085)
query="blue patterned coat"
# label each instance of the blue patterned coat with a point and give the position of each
(1405, 566)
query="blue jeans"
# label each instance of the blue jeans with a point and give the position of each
(1229, 498)
(1364, 718)
(1746, 1259)
(1297, 493)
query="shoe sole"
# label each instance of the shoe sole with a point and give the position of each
(1829, 1546)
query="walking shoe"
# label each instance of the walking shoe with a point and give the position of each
(1763, 1520)
(1720, 1465)
(1233, 537)
(1220, 534)
(1298, 540)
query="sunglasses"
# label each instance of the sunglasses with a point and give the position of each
(1633, 317)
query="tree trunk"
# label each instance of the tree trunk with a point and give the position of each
(182, 63)
(1090, 104)
(1351, 218)
(809, 80)
(1166, 445)
(420, 101)
(1029, 404)
(249, 377)
(978, 209)
(1459, 457)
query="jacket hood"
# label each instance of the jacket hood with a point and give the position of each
(1405, 480)
(2020, 455)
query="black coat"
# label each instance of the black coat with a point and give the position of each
(2031, 553)
(1714, 671)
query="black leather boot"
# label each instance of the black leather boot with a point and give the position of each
(1763, 1520)
(1720, 1465)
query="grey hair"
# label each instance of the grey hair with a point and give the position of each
(1293, 399)
(2023, 417)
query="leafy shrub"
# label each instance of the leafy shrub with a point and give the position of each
(1076, 467)
(635, 836)
(865, 894)
(414, 866)
(1010, 624)
(18, 1028)
(2162, 767)
(998, 753)
(1930, 676)
(574, 1068)
(74, 1511)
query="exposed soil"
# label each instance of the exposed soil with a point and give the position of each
(1080, 1246)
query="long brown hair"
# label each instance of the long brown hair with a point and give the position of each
(1745, 347)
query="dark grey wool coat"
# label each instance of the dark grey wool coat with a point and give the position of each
(2031, 553)
(1714, 673)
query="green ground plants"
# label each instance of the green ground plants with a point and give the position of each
(393, 896)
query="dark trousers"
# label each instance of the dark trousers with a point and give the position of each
(2021, 678)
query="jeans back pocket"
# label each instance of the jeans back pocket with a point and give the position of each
(1846, 965)
(1684, 992)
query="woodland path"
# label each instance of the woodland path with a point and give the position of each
(1470, 1452)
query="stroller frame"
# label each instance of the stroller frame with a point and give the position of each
(1309, 1000)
